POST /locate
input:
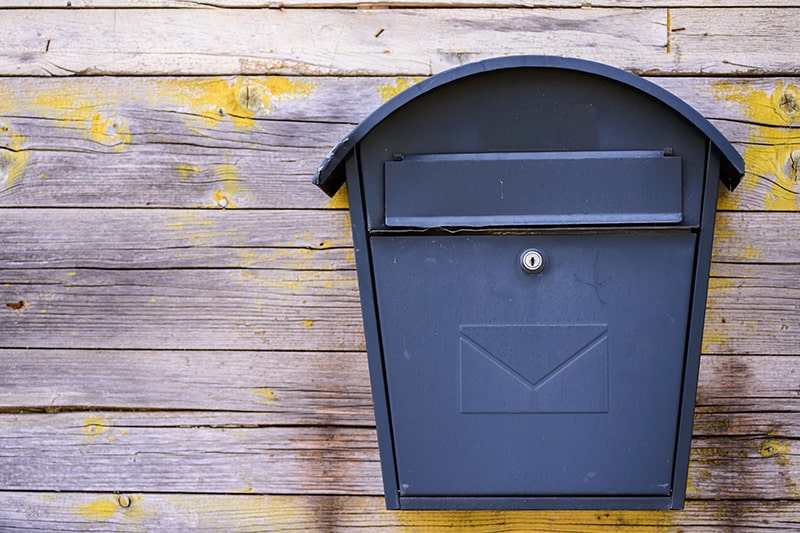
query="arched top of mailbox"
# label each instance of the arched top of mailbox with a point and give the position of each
(330, 175)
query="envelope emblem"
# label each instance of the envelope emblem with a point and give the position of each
(534, 368)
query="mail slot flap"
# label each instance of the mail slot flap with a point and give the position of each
(533, 188)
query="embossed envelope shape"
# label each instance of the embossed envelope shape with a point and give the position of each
(534, 368)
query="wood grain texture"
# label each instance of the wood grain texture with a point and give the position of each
(752, 309)
(328, 388)
(256, 142)
(368, 4)
(182, 452)
(180, 335)
(170, 239)
(182, 309)
(290, 388)
(385, 42)
(274, 239)
(107, 512)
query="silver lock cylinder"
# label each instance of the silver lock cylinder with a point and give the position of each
(532, 261)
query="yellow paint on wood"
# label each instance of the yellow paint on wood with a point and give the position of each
(399, 85)
(99, 510)
(266, 394)
(186, 171)
(79, 109)
(339, 200)
(13, 156)
(772, 152)
(238, 100)
(94, 426)
(723, 232)
(780, 449)
(715, 339)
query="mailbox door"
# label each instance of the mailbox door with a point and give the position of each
(507, 383)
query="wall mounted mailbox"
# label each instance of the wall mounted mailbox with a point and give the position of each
(533, 240)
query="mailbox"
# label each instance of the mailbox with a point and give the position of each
(533, 240)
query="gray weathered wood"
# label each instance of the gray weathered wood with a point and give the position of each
(182, 309)
(162, 239)
(189, 4)
(311, 41)
(314, 42)
(304, 387)
(143, 142)
(175, 452)
(751, 309)
(275, 239)
(281, 387)
(104, 512)
(168, 452)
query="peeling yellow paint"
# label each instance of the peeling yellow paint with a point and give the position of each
(399, 85)
(186, 171)
(110, 131)
(228, 174)
(94, 426)
(723, 232)
(78, 109)
(71, 274)
(339, 200)
(98, 510)
(12, 159)
(266, 394)
(772, 153)
(715, 339)
(239, 100)
(780, 449)
(308, 323)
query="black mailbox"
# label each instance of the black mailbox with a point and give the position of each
(533, 240)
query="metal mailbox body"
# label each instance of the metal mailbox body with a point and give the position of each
(533, 240)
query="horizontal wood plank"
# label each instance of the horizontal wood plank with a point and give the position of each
(382, 41)
(385, 42)
(168, 239)
(274, 239)
(752, 309)
(382, 4)
(107, 512)
(256, 142)
(320, 42)
(321, 388)
(328, 388)
(176, 452)
(182, 309)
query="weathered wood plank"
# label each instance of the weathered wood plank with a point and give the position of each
(321, 42)
(168, 452)
(324, 388)
(143, 142)
(175, 452)
(162, 239)
(340, 514)
(276, 239)
(755, 41)
(742, 383)
(182, 309)
(385, 42)
(305, 387)
(394, 4)
(752, 309)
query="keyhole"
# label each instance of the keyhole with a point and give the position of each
(532, 261)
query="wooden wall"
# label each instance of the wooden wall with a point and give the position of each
(180, 336)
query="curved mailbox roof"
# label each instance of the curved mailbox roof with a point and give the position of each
(330, 175)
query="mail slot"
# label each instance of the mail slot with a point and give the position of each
(533, 240)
